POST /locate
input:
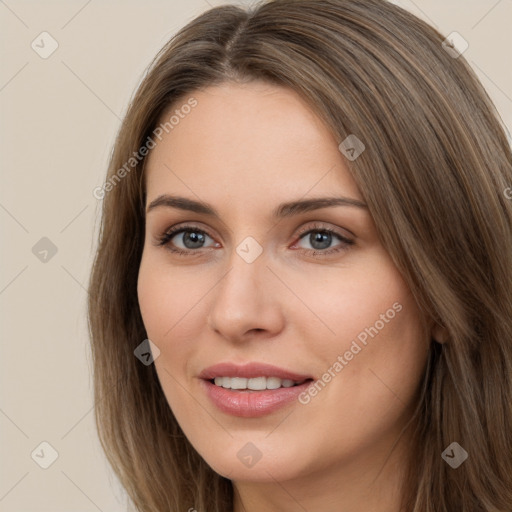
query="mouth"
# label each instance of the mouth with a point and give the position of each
(252, 390)
(255, 383)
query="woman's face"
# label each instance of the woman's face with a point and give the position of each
(264, 275)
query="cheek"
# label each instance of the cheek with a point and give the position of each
(170, 304)
(351, 303)
(173, 303)
(369, 371)
(368, 333)
(167, 299)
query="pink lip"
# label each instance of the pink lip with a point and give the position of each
(251, 404)
(249, 371)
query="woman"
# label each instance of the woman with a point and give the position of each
(307, 214)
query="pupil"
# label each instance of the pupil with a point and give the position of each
(320, 240)
(193, 240)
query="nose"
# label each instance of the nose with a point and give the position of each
(247, 302)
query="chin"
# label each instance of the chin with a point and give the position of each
(250, 464)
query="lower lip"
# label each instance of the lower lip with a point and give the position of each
(252, 404)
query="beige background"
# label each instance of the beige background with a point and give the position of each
(59, 118)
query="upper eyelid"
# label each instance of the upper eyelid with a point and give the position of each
(335, 230)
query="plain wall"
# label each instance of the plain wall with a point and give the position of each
(59, 117)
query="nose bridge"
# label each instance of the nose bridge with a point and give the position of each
(244, 299)
(243, 283)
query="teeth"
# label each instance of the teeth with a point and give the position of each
(255, 384)
(273, 383)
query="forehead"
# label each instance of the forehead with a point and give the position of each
(247, 140)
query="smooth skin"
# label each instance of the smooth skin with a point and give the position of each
(244, 150)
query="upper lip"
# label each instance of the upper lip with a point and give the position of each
(250, 370)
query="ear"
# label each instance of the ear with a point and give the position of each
(439, 333)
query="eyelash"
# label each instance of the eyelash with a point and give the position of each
(165, 238)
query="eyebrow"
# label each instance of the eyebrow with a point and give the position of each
(283, 210)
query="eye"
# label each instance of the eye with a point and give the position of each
(319, 240)
(185, 239)
(188, 240)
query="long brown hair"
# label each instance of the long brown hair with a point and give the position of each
(434, 174)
